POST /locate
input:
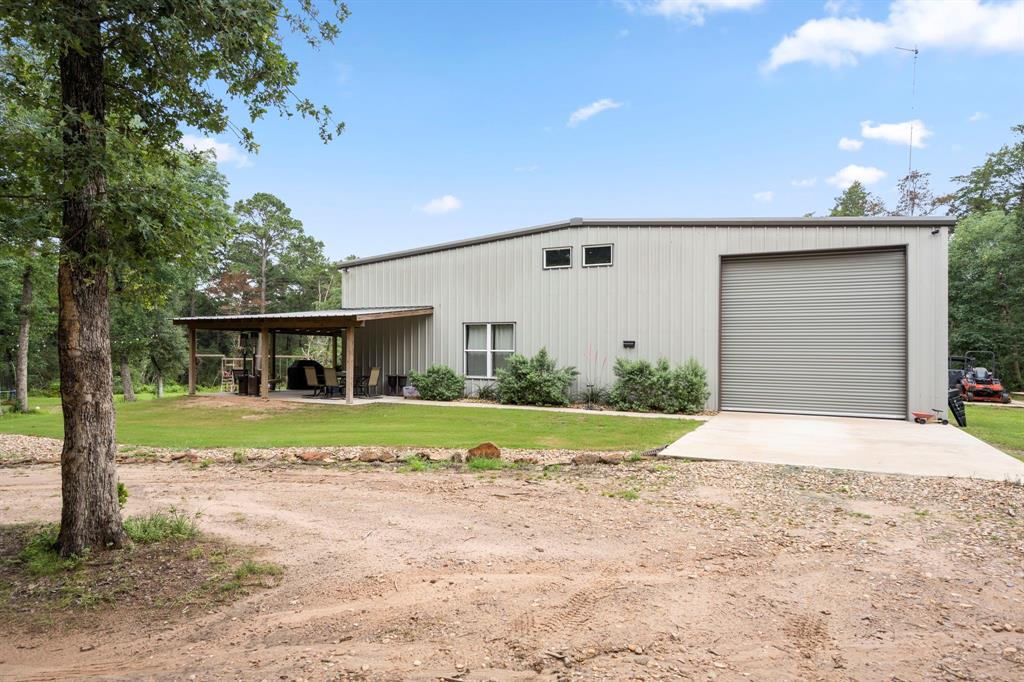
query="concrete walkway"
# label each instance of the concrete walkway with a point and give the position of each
(301, 397)
(878, 445)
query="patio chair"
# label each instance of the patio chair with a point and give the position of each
(313, 381)
(331, 385)
(365, 383)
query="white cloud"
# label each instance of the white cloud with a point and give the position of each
(592, 109)
(848, 145)
(977, 116)
(441, 205)
(622, 33)
(693, 11)
(804, 183)
(865, 175)
(342, 73)
(223, 152)
(837, 7)
(897, 133)
(948, 25)
(764, 196)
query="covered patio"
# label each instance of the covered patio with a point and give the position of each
(341, 322)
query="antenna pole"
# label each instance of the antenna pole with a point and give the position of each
(910, 143)
(913, 111)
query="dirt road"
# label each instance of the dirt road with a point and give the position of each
(715, 571)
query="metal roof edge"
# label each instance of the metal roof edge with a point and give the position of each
(300, 314)
(865, 221)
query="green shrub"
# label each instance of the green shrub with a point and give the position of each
(643, 387)
(156, 527)
(420, 462)
(122, 494)
(489, 464)
(488, 392)
(250, 569)
(593, 395)
(40, 555)
(687, 388)
(534, 381)
(638, 385)
(439, 383)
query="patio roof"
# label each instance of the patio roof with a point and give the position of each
(309, 322)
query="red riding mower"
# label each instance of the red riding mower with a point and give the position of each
(977, 383)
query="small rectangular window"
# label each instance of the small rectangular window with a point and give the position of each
(488, 347)
(597, 254)
(556, 258)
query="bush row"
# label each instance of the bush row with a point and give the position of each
(644, 387)
(640, 386)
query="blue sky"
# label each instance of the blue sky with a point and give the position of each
(460, 115)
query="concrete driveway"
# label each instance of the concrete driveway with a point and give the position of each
(879, 445)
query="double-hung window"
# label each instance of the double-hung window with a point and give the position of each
(488, 346)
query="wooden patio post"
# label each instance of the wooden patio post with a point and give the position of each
(334, 351)
(264, 364)
(191, 360)
(350, 364)
(273, 356)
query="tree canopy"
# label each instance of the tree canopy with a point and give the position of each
(857, 201)
(986, 290)
(997, 184)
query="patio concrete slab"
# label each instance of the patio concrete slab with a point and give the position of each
(878, 445)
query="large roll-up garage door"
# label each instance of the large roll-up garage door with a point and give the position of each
(820, 333)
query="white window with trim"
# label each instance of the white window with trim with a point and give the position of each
(487, 348)
(597, 255)
(558, 258)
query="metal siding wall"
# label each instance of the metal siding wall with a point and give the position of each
(662, 292)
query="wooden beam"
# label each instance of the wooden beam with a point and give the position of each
(334, 351)
(390, 314)
(265, 364)
(191, 360)
(287, 325)
(350, 365)
(306, 321)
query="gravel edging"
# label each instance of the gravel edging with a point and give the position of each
(18, 450)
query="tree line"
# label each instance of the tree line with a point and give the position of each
(986, 250)
(262, 261)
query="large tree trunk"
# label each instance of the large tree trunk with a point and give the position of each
(90, 516)
(158, 377)
(126, 380)
(263, 285)
(24, 323)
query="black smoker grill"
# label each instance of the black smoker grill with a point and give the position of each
(297, 374)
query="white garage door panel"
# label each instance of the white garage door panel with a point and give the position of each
(815, 334)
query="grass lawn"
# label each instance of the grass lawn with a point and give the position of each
(1002, 427)
(183, 422)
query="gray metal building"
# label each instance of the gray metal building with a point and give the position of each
(838, 316)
